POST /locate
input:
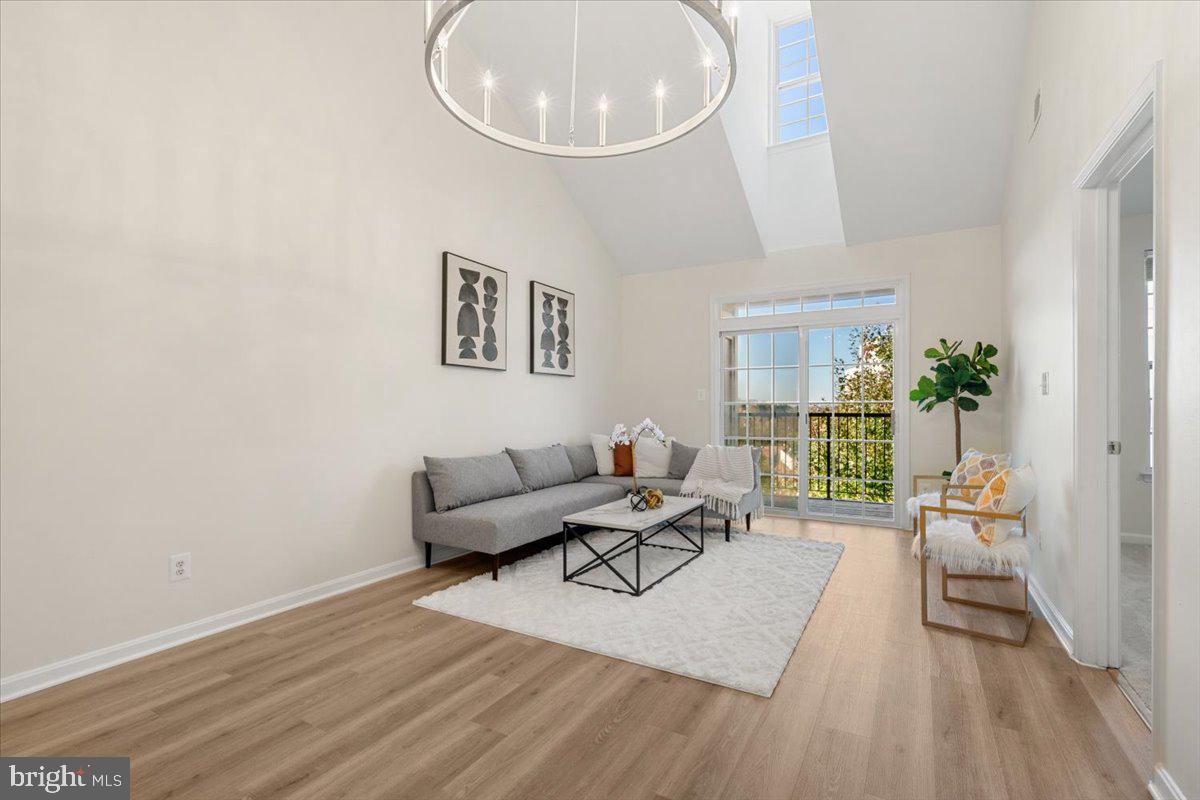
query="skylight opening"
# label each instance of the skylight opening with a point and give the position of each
(798, 102)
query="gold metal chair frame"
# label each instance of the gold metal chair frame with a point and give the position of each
(1021, 611)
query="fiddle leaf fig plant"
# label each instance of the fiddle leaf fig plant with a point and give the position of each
(957, 379)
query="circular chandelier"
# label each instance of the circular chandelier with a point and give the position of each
(714, 79)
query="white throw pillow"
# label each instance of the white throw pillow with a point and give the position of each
(604, 455)
(653, 458)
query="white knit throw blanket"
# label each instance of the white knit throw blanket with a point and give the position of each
(721, 476)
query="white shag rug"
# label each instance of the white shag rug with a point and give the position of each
(731, 617)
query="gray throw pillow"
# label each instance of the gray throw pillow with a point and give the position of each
(542, 467)
(458, 482)
(583, 460)
(682, 458)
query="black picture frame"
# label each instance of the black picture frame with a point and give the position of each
(499, 328)
(537, 330)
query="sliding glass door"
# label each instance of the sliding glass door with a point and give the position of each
(818, 398)
(851, 421)
(761, 406)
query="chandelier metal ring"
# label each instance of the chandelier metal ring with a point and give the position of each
(441, 24)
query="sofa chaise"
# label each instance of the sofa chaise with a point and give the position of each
(490, 504)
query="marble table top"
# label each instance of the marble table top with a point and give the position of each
(618, 516)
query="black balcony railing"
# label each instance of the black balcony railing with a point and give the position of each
(874, 435)
(821, 427)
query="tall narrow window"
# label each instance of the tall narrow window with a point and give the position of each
(799, 102)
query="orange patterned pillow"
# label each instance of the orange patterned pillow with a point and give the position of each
(1007, 493)
(976, 469)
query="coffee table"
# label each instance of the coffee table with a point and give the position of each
(642, 526)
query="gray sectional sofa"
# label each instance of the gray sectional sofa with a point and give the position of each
(494, 503)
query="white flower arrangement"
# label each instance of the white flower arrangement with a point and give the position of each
(621, 435)
(618, 436)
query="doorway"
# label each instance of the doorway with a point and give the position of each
(1134, 354)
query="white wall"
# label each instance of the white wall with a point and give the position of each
(1088, 59)
(220, 285)
(666, 328)
(1134, 374)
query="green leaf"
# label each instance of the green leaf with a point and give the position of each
(932, 352)
(990, 351)
(967, 404)
(925, 383)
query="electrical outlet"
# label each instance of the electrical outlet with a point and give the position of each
(181, 567)
(700, 393)
(1045, 383)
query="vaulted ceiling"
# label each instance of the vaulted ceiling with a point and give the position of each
(920, 95)
(921, 100)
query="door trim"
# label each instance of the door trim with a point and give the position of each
(1132, 135)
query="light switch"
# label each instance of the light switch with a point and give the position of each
(700, 393)
(1045, 383)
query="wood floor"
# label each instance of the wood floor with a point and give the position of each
(365, 696)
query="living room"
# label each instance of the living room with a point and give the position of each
(555, 399)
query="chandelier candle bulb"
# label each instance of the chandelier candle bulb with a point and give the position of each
(488, 83)
(660, 92)
(542, 103)
(602, 133)
(708, 64)
(444, 59)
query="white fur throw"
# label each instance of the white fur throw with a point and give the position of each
(721, 476)
(954, 544)
(934, 499)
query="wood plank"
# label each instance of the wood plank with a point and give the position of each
(366, 696)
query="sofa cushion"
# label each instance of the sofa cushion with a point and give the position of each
(497, 525)
(603, 454)
(653, 457)
(682, 458)
(583, 460)
(666, 485)
(542, 467)
(462, 481)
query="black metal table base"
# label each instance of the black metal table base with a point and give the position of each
(635, 542)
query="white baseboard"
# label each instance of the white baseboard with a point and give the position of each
(1163, 786)
(23, 683)
(1058, 623)
(1135, 538)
